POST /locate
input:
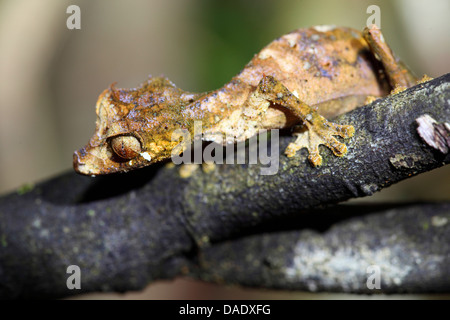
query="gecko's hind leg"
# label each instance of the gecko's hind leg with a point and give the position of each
(399, 76)
(319, 130)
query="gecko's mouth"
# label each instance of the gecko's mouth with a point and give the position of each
(92, 161)
(78, 162)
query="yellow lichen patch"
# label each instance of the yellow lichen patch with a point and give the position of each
(208, 167)
(370, 99)
(425, 78)
(187, 169)
(170, 165)
(398, 89)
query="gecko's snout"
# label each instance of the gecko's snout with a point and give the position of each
(85, 162)
(78, 163)
(97, 160)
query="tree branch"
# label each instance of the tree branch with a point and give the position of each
(125, 231)
(338, 249)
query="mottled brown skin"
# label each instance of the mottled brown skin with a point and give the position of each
(293, 80)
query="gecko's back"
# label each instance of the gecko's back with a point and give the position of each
(324, 66)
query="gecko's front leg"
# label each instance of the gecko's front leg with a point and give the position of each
(319, 130)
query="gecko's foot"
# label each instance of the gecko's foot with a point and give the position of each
(320, 131)
(398, 74)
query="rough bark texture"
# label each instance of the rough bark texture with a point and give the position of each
(233, 225)
(407, 246)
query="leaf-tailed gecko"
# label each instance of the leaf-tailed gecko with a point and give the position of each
(301, 78)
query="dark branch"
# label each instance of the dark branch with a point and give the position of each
(125, 231)
(338, 250)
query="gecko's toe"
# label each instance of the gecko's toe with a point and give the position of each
(338, 148)
(343, 131)
(315, 158)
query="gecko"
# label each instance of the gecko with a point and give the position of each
(298, 81)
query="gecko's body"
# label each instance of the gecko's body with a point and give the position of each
(297, 77)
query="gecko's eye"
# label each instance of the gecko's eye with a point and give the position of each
(126, 147)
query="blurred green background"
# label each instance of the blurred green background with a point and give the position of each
(50, 77)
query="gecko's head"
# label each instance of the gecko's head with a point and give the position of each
(133, 129)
